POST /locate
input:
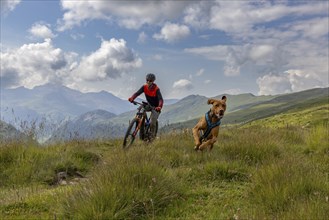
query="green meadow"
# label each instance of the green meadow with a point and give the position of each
(273, 168)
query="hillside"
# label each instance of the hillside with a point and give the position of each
(257, 172)
(308, 117)
(91, 125)
(288, 102)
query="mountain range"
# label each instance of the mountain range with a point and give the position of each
(56, 101)
(103, 115)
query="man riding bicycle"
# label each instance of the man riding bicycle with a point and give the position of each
(153, 97)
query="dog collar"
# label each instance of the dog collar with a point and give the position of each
(212, 125)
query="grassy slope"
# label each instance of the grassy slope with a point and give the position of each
(264, 170)
(306, 117)
(259, 110)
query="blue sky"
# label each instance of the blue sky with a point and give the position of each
(193, 47)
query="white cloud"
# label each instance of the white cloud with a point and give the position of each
(200, 72)
(183, 84)
(111, 60)
(41, 30)
(290, 44)
(40, 63)
(216, 52)
(231, 70)
(235, 17)
(35, 64)
(231, 17)
(129, 14)
(198, 15)
(242, 16)
(8, 5)
(142, 37)
(172, 32)
(313, 28)
(273, 84)
(258, 52)
(79, 11)
(207, 81)
(289, 81)
(235, 91)
(157, 57)
(77, 36)
(235, 56)
(231, 55)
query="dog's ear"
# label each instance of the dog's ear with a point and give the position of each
(210, 101)
(224, 98)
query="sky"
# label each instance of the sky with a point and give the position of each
(193, 47)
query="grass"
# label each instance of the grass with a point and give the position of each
(134, 188)
(280, 187)
(254, 172)
(22, 164)
(307, 117)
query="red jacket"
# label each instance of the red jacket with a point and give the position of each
(152, 95)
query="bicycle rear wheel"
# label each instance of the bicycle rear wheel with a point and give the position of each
(156, 128)
(148, 133)
(130, 133)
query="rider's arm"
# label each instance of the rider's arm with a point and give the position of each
(159, 95)
(140, 91)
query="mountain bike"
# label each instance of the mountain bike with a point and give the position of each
(140, 123)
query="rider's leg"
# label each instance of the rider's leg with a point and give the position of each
(154, 117)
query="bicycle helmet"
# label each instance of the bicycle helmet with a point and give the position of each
(150, 77)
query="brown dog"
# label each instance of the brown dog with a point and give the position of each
(215, 114)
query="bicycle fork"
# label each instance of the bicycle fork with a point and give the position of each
(138, 127)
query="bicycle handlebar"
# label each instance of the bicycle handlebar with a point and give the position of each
(144, 104)
(137, 103)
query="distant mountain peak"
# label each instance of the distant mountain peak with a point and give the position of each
(50, 85)
(96, 114)
(192, 97)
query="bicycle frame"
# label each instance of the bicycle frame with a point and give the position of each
(141, 115)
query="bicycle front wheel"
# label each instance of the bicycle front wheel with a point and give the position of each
(130, 133)
(142, 133)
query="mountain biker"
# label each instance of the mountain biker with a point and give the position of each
(153, 97)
